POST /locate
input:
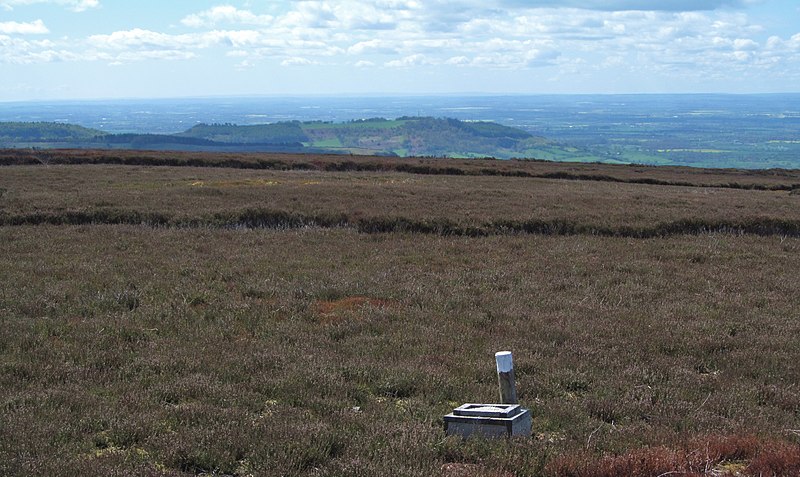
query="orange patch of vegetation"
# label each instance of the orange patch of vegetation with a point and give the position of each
(335, 311)
(718, 456)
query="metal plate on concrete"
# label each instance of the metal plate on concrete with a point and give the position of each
(488, 410)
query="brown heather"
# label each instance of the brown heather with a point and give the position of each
(177, 321)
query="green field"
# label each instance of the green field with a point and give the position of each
(330, 142)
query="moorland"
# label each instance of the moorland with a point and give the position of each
(167, 313)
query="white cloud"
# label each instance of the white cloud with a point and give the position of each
(458, 61)
(229, 38)
(244, 65)
(745, 44)
(374, 46)
(631, 5)
(81, 5)
(132, 56)
(74, 5)
(777, 45)
(741, 55)
(31, 28)
(629, 37)
(352, 15)
(530, 59)
(142, 39)
(409, 61)
(297, 61)
(138, 39)
(225, 14)
(272, 47)
(23, 52)
(399, 46)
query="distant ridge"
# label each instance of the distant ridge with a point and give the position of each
(45, 132)
(405, 136)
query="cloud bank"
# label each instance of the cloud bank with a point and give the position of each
(550, 39)
(74, 5)
(29, 28)
(633, 5)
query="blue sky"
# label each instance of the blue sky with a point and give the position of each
(82, 49)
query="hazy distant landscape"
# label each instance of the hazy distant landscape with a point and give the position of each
(746, 131)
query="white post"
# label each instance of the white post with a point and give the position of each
(505, 377)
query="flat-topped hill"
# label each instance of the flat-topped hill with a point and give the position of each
(406, 136)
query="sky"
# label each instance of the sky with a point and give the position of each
(109, 49)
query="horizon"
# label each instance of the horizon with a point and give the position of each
(86, 50)
(748, 131)
(388, 95)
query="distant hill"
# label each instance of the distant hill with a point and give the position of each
(406, 136)
(277, 133)
(20, 132)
